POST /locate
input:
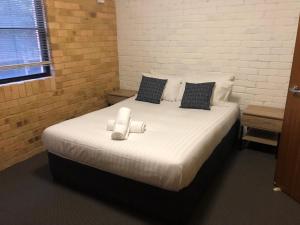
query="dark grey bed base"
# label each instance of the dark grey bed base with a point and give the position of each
(173, 206)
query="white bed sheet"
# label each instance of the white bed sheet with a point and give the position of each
(168, 155)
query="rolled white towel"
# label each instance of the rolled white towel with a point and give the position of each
(134, 127)
(121, 126)
(137, 126)
(120, 132)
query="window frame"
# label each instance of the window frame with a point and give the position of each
(42, 31)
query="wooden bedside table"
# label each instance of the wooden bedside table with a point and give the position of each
(263, 125)
(116, 96)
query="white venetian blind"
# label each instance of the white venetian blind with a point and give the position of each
(23, 39)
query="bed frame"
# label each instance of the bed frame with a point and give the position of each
(173, 206)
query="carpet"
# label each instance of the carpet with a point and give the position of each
(241, 194)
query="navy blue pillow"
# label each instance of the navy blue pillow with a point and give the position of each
(151, 90)
(197, 96)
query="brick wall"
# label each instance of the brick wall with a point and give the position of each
(84, 50)
(251, 39)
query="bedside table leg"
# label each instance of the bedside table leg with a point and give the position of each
(277, 147)
(241, 138)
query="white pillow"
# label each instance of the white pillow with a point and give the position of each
(172, 86)
(222, 89)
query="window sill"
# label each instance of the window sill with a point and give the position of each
(18, 80)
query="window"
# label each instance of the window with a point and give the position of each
(23, 41)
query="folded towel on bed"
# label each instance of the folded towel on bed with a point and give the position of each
(134, 126)
(137, 126)
(121, 126)
(120, 132)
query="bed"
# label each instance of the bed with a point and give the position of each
(166, 163)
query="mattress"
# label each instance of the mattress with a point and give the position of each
(168, 155)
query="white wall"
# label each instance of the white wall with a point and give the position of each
(252, 39)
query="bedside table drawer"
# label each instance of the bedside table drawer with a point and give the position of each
(262, 123)
(111, 99)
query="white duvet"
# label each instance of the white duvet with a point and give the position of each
(168, 155)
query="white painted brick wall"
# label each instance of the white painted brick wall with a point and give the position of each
(251, 39)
